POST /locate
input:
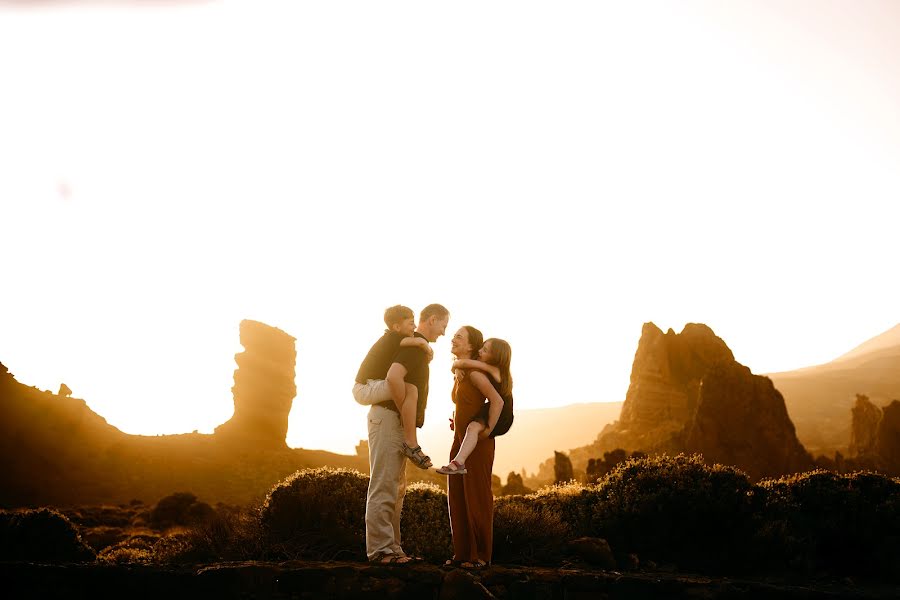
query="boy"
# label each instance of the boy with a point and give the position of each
(371, 386)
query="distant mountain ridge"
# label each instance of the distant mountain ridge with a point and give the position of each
(819, 398)
(888, 339)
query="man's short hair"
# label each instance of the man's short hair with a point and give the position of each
(397, 314)
(433, 310)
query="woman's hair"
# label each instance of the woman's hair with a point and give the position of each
(501, 352)
(476, 340)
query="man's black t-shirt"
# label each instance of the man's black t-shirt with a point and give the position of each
(417, 373)
(377, 362)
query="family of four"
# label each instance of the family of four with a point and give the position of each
(393, 380)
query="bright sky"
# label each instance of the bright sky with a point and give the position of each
(555, 174)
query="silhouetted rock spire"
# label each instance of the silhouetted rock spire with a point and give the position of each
(866, 417)
(562, 468)
(688, 394)
(264, 386)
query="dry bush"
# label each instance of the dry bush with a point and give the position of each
(316, 513)
(42, 535)
(825, 522)
(524, 533)
(677, 510)
(179, 509)
(232, 535)
(572, 502)
(134, 550)
(425, 522)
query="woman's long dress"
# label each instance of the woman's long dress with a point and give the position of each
(469, 496)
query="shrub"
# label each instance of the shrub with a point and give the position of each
(180, 508)
(526, 534)
(822, 521)
(316, 513)
(135, 550)
(232, 535)
(677, 510)
(572, 502)
(42, 535)
(425, 522)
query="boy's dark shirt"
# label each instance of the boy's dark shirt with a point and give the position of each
(417, 373)
(380, 357)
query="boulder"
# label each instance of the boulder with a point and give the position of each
(593, 551)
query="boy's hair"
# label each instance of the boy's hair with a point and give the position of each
(397, 314)
(433, 310)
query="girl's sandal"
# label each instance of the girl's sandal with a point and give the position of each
(454, 468)
(452, 563)
(473, 566)
(416, 455)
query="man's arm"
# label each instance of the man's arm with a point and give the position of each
(480, 381)
(396, 380)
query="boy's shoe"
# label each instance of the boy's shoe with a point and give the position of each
(419, 458)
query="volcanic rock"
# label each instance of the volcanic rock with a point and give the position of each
(741, 420)
(688, 393)
(665, 384)
(562, 468)
(866, 417)
(263, 388)
(887, 443)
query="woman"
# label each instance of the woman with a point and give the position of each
(469, 496)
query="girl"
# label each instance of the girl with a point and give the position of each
(494, 358)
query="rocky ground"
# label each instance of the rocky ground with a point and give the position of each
(301, 580)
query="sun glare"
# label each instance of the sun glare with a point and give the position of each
(552, 179)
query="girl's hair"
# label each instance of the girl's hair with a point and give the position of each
(476, 340)
(501, 352)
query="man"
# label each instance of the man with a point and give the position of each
(387, 461)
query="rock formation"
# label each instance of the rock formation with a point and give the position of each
(665, 384)
(741, 420)
(866, 417)
(562, 468)
(887, 442)
(264, 386)
(515, 485)
(687, 393)
(5, 376)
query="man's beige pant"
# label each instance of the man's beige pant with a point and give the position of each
(387, 482)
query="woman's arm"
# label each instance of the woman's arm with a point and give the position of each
(420, 343)
(484, 386)
(471, 363)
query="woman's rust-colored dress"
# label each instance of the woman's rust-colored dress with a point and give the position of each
(469, 496)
